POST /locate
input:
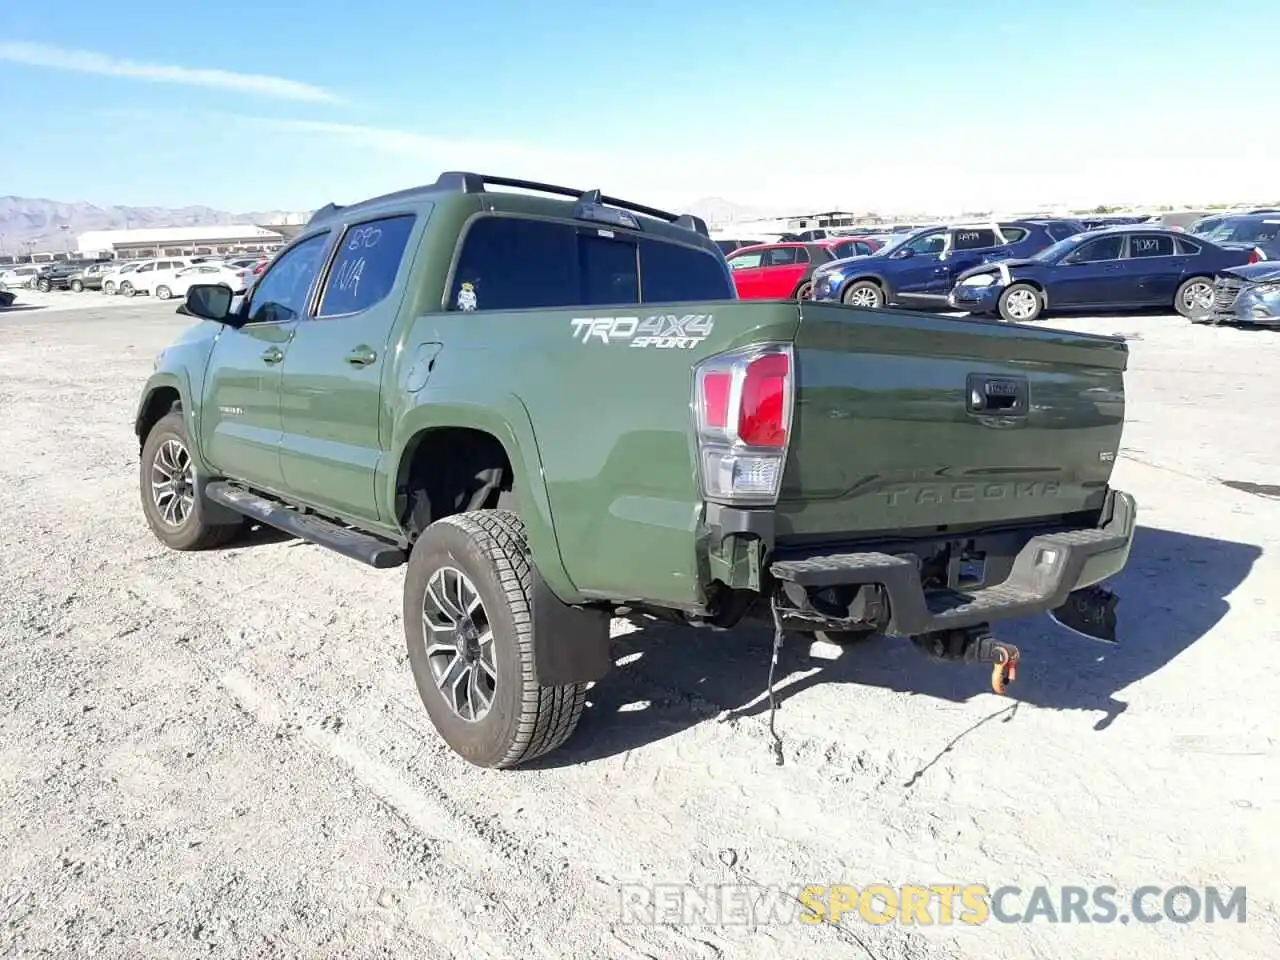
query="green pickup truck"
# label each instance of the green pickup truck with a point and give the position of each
(550, 405)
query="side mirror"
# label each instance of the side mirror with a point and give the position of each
(211, 301)
(902, 254)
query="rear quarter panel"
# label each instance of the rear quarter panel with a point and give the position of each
(607, 456)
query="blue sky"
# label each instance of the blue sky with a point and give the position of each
(865, 104)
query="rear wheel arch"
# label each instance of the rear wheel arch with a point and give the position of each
(488, 440)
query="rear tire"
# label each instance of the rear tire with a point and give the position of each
(171, 502)
(163, 292)
(109, 288)
(126, 289)
(804, 291)
(865, 293)
(480, 560)
(1021, 303)
(1194, 297)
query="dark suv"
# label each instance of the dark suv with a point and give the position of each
(57, 275)
(921, 268)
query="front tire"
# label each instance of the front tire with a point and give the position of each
(469, 628)
(1021, 303)
(865, 293)
(43, 286)
(1194, 298)
(171, 501)
(77, 286)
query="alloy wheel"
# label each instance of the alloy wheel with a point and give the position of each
(864, 297)
(173, 482)
(459, 637)
(1022, 304)
(1198, 296)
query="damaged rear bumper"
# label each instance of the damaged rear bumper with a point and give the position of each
(1045, 572)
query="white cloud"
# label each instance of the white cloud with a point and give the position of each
(86, 61)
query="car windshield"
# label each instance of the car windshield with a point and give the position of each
(1062, 247)
(1244, 230)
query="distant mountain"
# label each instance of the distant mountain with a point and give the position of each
(717, 210)
(24, 220)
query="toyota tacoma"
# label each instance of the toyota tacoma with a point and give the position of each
(549, 406)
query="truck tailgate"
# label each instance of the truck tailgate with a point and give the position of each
(905, 421)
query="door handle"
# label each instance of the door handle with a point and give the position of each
(361, 357)
(272, 355)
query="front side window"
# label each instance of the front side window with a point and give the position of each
(366, 266)
(515, 263)
(281, 294)
(1097, 251)
(929, 243)
(746, 261)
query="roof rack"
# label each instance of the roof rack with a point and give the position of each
(464, 182)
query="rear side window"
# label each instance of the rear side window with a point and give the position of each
(974, 239)
(1013, 234)
(365, 268)
(1185, 247)
(785, 256)
(1150, 246)
(513, 263)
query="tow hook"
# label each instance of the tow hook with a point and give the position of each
(1005, 669)
(975, 645)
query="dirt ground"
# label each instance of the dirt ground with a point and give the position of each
(224, 754)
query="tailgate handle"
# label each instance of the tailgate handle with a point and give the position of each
(998, 396)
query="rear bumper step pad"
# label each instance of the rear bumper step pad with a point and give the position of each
(1046, 570)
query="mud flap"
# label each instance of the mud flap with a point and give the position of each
(571, 644)
(1090, 612)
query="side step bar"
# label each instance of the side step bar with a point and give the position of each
(350, 543)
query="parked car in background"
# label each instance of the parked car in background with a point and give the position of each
(781, 271)
(90, 278)
(1246, 295)
(727, 246)
(235, 280)
(119, 271)
(23, 276)
(57, 275)
(922, 267)
(1260, 230)
(1206, 225)
(154, 277)
(1059, 228)
(1117, 268)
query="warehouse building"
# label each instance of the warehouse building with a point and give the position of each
(180, 241)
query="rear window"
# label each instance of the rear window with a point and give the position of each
(513, 263)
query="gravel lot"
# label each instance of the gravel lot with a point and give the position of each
(224, 753)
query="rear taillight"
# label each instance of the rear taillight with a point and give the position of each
(742, 406)
(1256, 254)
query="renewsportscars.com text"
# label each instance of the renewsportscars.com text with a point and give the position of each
(934, 904)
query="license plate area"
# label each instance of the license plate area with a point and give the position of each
(967, 572)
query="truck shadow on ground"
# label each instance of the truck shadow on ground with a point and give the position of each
(1172, 592)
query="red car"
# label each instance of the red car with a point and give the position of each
(783, 271)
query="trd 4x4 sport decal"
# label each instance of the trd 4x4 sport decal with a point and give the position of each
(664, 331)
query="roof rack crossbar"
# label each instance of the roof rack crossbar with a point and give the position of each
(467, 182)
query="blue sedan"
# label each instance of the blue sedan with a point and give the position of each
(1115, 268)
